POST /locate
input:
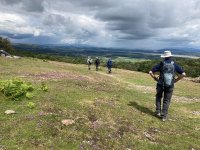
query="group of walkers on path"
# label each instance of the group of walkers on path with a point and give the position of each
(169, 72)
(109, 63)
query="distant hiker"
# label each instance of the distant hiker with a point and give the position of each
(109, 65)
(97, 63)
(165, 82)
(89, 62)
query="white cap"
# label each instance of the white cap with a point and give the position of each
(166, 54)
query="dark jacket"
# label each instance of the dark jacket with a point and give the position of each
(109, 63)
(158, 68)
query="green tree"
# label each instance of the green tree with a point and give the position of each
(6, 45)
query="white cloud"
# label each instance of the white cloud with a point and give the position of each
(11, 18)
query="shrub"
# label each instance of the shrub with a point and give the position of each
(44, 87)
(31, 105)
(15, 89)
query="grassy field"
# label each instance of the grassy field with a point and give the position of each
(110, 111)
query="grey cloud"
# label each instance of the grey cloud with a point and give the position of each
(67, 25)
(55, 19)
(10, 2)
(128, 20)
(94, 4)
(131, 22)
(177, 39)
(143, 19)
(38, 39)
(33, 5)
(15, 36)
(28, 5)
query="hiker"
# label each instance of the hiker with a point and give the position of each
(89, 62)
(109, 65)
(165, 82)
(97, 63)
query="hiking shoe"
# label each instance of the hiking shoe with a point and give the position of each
(158, 114)
(164, 119)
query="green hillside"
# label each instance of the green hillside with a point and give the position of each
(107, 111)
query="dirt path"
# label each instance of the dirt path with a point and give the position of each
(149, 89)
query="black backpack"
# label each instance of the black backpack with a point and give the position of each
(97, 61)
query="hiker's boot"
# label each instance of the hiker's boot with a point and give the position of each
(158, 114)
(164, 119)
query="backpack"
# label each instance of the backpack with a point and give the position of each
(89, 61)
(168, 74)
(109, 63)
(97, 62)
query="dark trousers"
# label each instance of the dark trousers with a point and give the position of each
(109, 69)
(167, 91)
(89, 66)
(97, 67)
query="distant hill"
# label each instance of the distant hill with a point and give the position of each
(85, 50)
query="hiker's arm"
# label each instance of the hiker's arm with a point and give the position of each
(156, 68)
(180, 76)
(153, 76)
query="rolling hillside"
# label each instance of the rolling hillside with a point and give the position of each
(84, 109)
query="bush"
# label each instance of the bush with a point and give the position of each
(31, 105)
(15, 89)
(44, 87)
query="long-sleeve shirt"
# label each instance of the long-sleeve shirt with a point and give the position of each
(157, 68)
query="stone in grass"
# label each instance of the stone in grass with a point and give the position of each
(8, 112)
(67, 122)
(149, 136)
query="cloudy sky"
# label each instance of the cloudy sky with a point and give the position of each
(149, 24)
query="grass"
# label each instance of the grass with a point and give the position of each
(111, 111)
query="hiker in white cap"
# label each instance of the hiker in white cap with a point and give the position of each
(89, 62)
(165, 82)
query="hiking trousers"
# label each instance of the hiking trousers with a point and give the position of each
(97, 67)
(166, 93)
(109, 69)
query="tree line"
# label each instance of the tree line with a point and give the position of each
(190, 66)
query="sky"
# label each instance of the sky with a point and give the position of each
(143, 24)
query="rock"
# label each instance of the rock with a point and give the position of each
(196, 112)
(149, 136)
(10, 112)
(67, 122)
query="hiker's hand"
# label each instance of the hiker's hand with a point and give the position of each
(155, 78)
(180, 77)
